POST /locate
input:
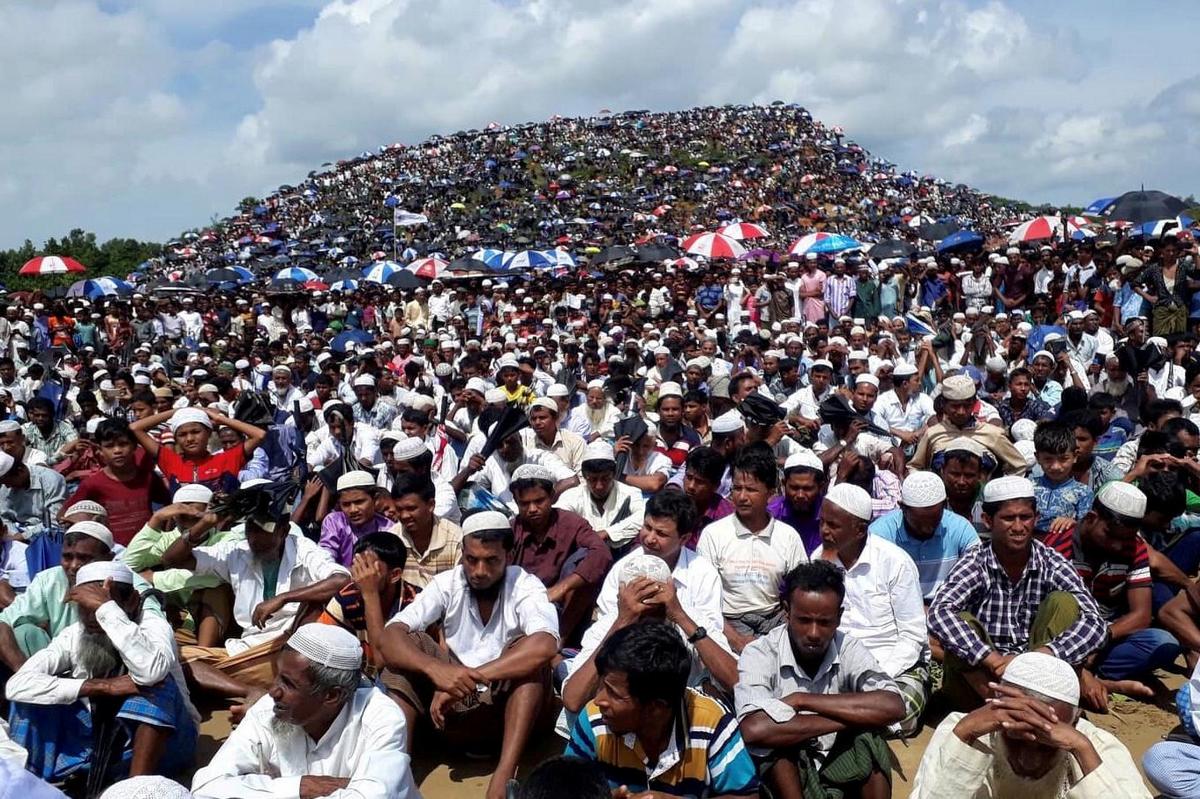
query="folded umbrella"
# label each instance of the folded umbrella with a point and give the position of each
(513, 421)
(834, 409)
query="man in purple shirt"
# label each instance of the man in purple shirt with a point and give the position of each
(355, 517)
(803, 490)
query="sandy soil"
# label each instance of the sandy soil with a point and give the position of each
(1137, 724)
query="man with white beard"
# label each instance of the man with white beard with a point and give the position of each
(598, 412)
(112, 677)
(320, 731)
(1028, 741)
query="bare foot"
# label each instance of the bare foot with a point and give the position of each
(1132, 688)
(238, 712)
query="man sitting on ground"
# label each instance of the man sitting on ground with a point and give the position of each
(1029, 741)
(113, 674)
(491, 678)
(799, 503)
(812, 701)
(319, 732)
(355, 516)
(1012, 596)
(613, 509)
(434, 543)
(652, 734)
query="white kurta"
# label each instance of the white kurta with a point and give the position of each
(365, 744)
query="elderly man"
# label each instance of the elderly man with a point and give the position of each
(271, 571)
(812, 701)
(30, 496)
(14, 442)
(613, 509)
(111, 677)
(883, 608)
(491, 676)
(958, 420)
(1029, 741)
(545, 435)
(318, 732)
(1012, 596)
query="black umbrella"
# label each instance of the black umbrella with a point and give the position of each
(656, 252)
(1145, 206)
(513, 421)
(286, 284)
(617, 253)
(835, 409)
(405, 279)
(891, 248)
(468, 265)
(936, 231)
(633, 427)
(224, 276)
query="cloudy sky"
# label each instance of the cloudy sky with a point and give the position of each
(146, 117)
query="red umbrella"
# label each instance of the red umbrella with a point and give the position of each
(713, 245)
(316, 285)
(50, 265)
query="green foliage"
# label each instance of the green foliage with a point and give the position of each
(113, 258)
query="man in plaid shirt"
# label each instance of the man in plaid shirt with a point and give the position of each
(1012, 596)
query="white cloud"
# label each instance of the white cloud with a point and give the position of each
(142, 118)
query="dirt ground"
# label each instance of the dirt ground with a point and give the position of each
(1139, 725)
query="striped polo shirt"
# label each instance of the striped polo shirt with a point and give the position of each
(706, 756)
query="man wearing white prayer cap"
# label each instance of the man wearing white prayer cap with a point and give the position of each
(367, 407)
(598, 412)
(958, 420)
(1014, 595)
(799, 502)
(614, 509)
(320, 731)
(494, 474)
(458, 684)
(905, 410)
(1108, 552)
(1030, 741)
(408, 454)
(14, 441)
(190, 461)
(883, 607)
(146, 787)
(117, 650)
(29, 494)
(934, 536)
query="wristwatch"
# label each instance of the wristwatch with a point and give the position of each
(699, 635)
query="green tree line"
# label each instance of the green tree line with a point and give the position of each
(113, 258)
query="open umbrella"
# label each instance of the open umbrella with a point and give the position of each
(891, 248)
(529, 259)
(1145, 206)
(493, 258)
(937, 231)
(743, 231)
(961, 241)
(296, 273)
(286, 284)
(380, 272)
(355, 335)
(823, 243)
(654, 252)
(229, 274)
(405, 280)
(50, 265)
(428, 268)
(713, 245)
(100, 287)
(615, 254)
(1098, 207)
(344, 286)
(466, 265)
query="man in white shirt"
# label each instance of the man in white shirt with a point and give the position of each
(326, 444)
(500, 633)
(751, 550)
(113, 673)
(271, 571)
(883, 607)
(494, 473)
(613, 509)
(660, 579)
(545, 435)
(905, 409)
(406, 454)
(319, 732)
(804, 405)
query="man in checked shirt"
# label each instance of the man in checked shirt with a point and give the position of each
(1012, 596)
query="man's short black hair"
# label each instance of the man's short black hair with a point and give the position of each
(654, 659)
(788, 365)
(1020, 371)
(40, 404)
(598, 466)
(671, 503)
(566, 776)
(387, 546)
(1159, 408)
(1102, 402)
(758, 460)
(413, 483)
(1165, 493)
(706, 463)
(814, 577)
(1085, 419)
(1054, 437)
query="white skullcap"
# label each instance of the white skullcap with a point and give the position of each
(100, 570)
(558, 390)
(922, 490)
(408, 448)
(329, 645)
(255, 482)
(1123, 499)
(485, 520)
(904, 369)
(1023, 430)
(364, 380)
(533, 471)
(1045, 674)
(94, 530)
(86, 506)
(643, 564)
(494, 395)
(10, 426)
(1005, 488)
(146, 787)
(851, 499)
(662, 351)
(543, 402)
(859, 355)
(669, 389)
(597, 383)
(803, 459)
(995, 364)
(728, 422)
(189, 416)
(193, 492)
(958, 387)
(965, 444)
(821, 363)
(282, 369)
(866, 378)
(477, 384)
(1028, 451)
(423, 402)
(599, 451)
(356, 478)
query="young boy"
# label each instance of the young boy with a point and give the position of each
(355, 517)
(126, 487)
(1061, 499)
(1090, 470)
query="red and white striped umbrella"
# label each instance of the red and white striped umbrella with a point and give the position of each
(744, 230)
(428, 268)
(1037, 229)
(713, 245)
(685, 263)
(50, 265)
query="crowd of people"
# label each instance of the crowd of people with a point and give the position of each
(727, 527)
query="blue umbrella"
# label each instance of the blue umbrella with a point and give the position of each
(99, 287)
(297, 273)
(380, 272)
(230, 274)
(1098, 207)
(345, 286)
(493, 258)
(392, 201)
(961, 241)
(1162, 227)
(355, 335)
(530, 259)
